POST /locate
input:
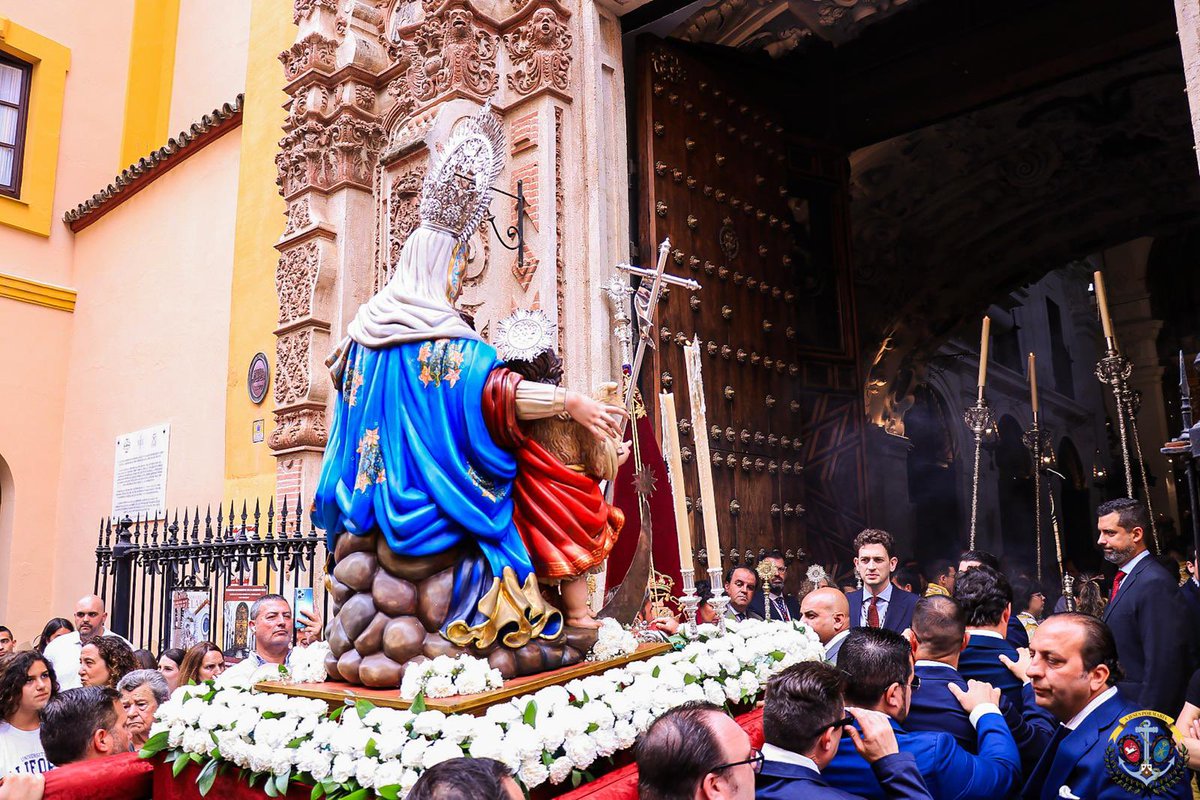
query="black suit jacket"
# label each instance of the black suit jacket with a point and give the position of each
(897, 774)
(899, 610)
(793, 606)
(1150, 621)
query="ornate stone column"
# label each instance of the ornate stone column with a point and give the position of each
(373, 87)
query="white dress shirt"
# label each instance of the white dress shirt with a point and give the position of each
(832, 643)
(779, 755)
(881, 605)
(63, 655)
(1097, 701)
(1131, 563)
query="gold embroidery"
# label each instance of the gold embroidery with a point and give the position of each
(515, 614)
(486, 487)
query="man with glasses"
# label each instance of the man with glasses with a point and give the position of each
(878, 665)
(804, 716)
(696, 752)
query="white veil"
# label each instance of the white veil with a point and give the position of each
(414, 306)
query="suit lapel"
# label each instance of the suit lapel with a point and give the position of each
(1126, 585)
(1079, 742)
(856, 601)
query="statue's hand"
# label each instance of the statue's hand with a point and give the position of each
(599, 418)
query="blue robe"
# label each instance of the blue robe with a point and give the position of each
(411, 458)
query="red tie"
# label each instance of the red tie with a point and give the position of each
(1120, 576)
(873, 614)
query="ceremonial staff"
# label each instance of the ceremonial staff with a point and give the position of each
(1038, 441)
(979, 419)
(1185, 448)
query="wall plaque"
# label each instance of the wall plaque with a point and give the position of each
(258, 378)
(140, 472)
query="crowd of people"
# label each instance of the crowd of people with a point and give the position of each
(949, 684)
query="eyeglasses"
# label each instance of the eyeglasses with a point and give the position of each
(755, 761)
(915, 683)
(841, 723)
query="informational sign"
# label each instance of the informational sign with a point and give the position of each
(191, 618)
(239, 633)
(258, 377)
(140, 472)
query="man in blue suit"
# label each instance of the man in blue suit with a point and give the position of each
(986, 600)
(879, 604)
(981, 558)
(878, 665)
(1147, 615)
(804, 715)
(1075, 672)
(939, 636)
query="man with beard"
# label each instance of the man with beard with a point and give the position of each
(783, 606)
(271, 616)
(740, 583)
(63, 652)
(1145, 611)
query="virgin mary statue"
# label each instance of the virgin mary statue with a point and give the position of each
(419, 450)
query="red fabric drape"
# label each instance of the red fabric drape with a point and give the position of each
(123, 777)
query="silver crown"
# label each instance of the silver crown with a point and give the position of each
(458, 189)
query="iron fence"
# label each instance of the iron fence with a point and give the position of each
(153, 574)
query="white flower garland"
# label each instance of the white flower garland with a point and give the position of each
(613, 641)
(445, 677)
(554, 734)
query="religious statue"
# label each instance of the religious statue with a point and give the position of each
(428, 473)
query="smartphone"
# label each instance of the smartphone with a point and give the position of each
(302, 601)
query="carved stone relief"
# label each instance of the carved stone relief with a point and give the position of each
(449, 52)
(291, 367)
(540, 53)
(295, 280)
(313, 52)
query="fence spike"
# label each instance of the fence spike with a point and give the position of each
(208, 534)
(271, 518)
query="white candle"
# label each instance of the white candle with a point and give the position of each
(670, 448)
(1102, 301)
(1033, 383)
(708, 500)
(985, 340)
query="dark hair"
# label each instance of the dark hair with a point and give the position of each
(939, 568)
(117, 656)
(908, 575)
(729, 573)
(874, 536)
(266, 598)
(14, 671)
(801, 702)
(1131, 513)
(939, 625)
(1089, 596)
(144, 659)
(1099, 645)
(52, 627)
(6, 629)
(982, 557)
(704, 590)
(873, 659)
(545, 367)
(1023, 590)
(983, 593)
(462, 779)
(193, 660)
(776, 553)
(676, 752)
(173, 653)
(70, 719)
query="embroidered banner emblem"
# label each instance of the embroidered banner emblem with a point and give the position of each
(1145, 754)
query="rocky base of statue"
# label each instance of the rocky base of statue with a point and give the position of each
(389, 611)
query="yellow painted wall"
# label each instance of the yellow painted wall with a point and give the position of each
(151, 70)
(250, 467)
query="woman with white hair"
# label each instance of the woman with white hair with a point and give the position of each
(142, 691)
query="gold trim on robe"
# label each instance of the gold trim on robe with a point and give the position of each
(515, 614)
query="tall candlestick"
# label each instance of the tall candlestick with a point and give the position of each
(708, 499)
(670, 448)
(985, 340)
(1033, 383)
(1102, 301)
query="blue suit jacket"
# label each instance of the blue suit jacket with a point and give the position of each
(1150, 621)
(950, 772)
(981, 662)
(935, 709)
(897, 773)
(1016, 635)
(1078, 761)
(899, 610)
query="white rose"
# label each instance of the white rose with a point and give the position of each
(258, 758)
(503, 713)
(413, 752)
(365, 772)
(533, 773)
(459, 727)
(440, 751)
(626, 733)
(714, 692)
(314, 761)
(560, 769)
(581, 750)
(439, 686)
(281, 761)
(197, 741)
(388, 774)
(407, 779)
(606, 742)
(428, 723)
(343, 768)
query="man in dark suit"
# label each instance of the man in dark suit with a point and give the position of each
(986, 600)
(879, 604)
(696, 750)
(740, 583)
(804, 716)
(939, 636)
(1148, 616)
(783, 606)
(827, 613)
(981, 558)
(1075, 672)
(878, 666)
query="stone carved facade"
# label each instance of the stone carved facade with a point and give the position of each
(540, 53)
(295, 280)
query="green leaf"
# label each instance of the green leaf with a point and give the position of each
(271, 715)
(178, 766)
(654, 673)
(294, 743)
(318, 792)
(170, 759)
(361, 794)
(155, 744)
(592, 727)
(530, 713)
(576, 778)
(388, 792)
(281, 782)
(363, 707)
(204, 781)
(337, 712)
(689, 678)
(329, 786)
(372, 750)
(418, 703)
(269, 788)
(777, 655)
(547, 759)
